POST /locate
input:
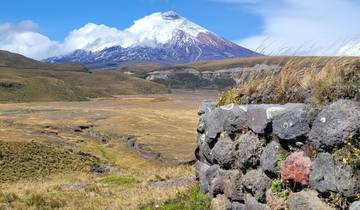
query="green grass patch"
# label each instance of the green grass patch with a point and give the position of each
(119, 180)
(192, 200)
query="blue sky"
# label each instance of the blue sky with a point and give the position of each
(41, 28)
(56, 20)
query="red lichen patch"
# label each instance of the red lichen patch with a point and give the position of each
(296, 169)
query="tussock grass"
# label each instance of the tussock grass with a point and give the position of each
(315, 80)
(31, 160)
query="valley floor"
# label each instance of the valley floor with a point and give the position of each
(111, 153)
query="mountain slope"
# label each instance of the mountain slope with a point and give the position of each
(165, 38)
(23, 79)
(17, 61)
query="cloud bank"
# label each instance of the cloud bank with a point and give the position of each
(306, 27)
(22, 38)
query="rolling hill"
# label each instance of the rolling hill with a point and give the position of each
(23, 79)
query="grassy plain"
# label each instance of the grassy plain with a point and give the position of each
(97, 175)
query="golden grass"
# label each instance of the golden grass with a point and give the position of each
(316, 80)
(170, 121)
(83, 191)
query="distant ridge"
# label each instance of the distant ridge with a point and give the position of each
(17, 61)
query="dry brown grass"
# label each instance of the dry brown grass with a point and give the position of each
(169, 119)
(316, 80)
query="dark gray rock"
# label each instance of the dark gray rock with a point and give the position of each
(247, 151)
(216, 186)
(293, 122)
(306, 200)
(355, 206)
(201, 174)
(201, 125)
(205, 153)
(222, 153)
(327, 175)
(257, 119)
(205, 107)
(206, 176)
(198, 165)
(237, 206)
(221, 182)
(236, 120)
(232, 186)
(212, 172)
(251, 203)
(228, 118)
(256, 182)
(269, 158)
(214, 123)
(334, 124)
(203, 150)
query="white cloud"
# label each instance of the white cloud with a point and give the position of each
(92, 37)
(22, 38)
(306, 27)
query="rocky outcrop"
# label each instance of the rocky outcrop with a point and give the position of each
(280, 156)
(238, 74)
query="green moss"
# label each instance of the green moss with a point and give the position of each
(278, 189)
(280, 158)
(192, 200)
(119, 180)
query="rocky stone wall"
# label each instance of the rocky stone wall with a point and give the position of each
(290, 156)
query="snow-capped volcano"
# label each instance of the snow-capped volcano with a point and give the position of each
(165, 38)
(159, 28)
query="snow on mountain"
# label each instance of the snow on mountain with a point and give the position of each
(159, 28)
(165, 38)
